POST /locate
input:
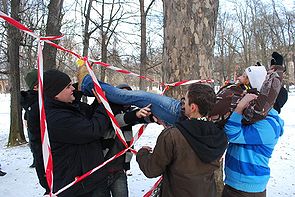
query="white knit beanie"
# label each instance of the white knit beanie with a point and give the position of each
(256, 75)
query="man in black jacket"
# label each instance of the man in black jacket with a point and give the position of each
(29, 101)
(75, 133)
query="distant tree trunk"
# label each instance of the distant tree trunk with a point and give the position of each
(189, 32)
(143, 43)
(143, 56)
(86, 38)
(53, 27)
(87, 34)
(16, 134)
(104, 54)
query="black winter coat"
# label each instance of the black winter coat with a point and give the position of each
(29, 101)
(281, 99)
(75, 144)
(126, 117)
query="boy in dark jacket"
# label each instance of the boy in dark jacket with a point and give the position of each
(29, 101)
(75, 133)
(126, 116)
(188, 153)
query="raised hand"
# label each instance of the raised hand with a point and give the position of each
(144, 112)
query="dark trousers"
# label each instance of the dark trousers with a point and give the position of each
(98, 192)
(117, 184)
(228, 191)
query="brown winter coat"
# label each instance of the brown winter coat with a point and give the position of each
(184, 174)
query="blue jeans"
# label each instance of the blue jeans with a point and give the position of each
(117, 184)
(163, 107)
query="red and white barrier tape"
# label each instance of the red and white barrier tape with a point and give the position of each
(46, 150)
(78, 179)
(47, 156)
(150, 192)
(106, 104)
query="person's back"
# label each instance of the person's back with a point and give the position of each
(249, 151)
(188, 154)
(29, 101)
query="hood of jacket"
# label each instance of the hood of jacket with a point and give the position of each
(28, 98)
(206, 139)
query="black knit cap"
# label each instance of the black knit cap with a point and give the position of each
(54, 82)
(277, 59)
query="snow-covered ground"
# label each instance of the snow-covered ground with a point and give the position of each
(21, 180)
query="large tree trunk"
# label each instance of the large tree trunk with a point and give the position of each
(189, 32)
(52, 29)
(16, 135)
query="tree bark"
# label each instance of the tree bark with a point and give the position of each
(16, 134)
(189, 32)
(52, 29)
(143, 56)
(104, 52)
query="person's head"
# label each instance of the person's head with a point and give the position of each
(124, 86)
(276, 61)
(253, 76)
(31, 79)
(57, 85)
(199, 100)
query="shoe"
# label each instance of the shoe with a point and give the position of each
(87, 86)
(33, 165)
(2, 173)
(82, 72)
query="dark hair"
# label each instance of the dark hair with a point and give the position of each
(202, 95)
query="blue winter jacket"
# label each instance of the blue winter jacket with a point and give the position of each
(250, 148)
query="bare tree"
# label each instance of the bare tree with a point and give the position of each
(107, 29)
(16, 135)
(143, 42)
(52, 29)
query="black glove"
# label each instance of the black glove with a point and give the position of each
(277, 59)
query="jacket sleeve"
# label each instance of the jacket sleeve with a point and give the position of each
(154, 164)
(261, 132)
(75, 128)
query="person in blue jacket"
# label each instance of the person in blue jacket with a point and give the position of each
(250, 148)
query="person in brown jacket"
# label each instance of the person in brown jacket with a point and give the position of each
(188, 153)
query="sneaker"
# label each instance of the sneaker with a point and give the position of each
(33, 165)
(2, 173)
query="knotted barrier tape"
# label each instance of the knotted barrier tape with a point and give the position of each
(47, 155)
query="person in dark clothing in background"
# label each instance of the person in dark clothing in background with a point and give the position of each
(75, 132)
(2, 173)
(29, 98)
(29, 101)
(126, 116)
(282, 98)
(188, 153)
